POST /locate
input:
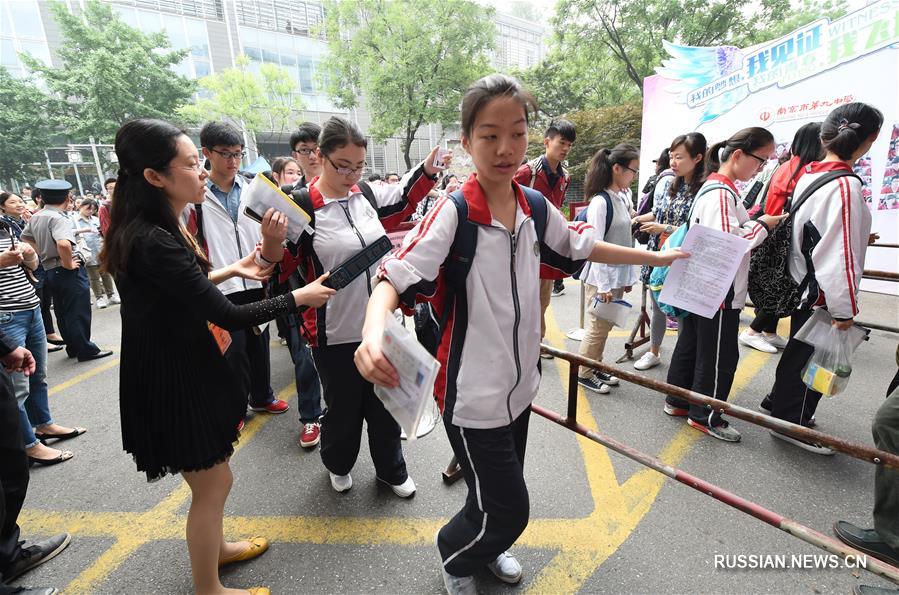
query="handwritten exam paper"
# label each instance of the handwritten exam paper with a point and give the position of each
(698, 284)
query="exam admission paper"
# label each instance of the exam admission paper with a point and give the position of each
(698, 284)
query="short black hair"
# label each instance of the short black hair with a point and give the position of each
(562, 128)
(307, 133)
(338, 133)
(374, 177)
(393, 173)
(219, 134)
(109, 181)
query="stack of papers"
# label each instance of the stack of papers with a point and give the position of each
(417, 370)
(263, 195)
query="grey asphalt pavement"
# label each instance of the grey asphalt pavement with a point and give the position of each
(600, 523)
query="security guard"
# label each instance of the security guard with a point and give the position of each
(51, 234)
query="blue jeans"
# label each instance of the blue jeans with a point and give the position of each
(309, 392)
(26, 329)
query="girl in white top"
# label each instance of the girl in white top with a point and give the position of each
(489, 347)
(609, 177)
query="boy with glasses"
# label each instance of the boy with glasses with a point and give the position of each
(226, 234)
(303, 148)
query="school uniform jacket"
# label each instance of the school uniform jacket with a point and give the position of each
(491, 344)
(831, 229)
(343, 227)
(538, 179)
(722, 210)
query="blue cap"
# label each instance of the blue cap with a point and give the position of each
(54, 190)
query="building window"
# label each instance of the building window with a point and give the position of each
(21, 31)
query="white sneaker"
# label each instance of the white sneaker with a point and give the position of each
(455, 585)
(775, 340)
(115, 299)
(647, 360)
(506, 568)
(341, 483)
(404, 490)
(756, 342)
(818, 449)
(101, 302)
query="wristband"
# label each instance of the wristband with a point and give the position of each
(265, 261)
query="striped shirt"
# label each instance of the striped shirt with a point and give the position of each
(16, 292)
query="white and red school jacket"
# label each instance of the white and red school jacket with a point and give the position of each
(491, 346)
(343, 227)
(838, 218)
(723, 210)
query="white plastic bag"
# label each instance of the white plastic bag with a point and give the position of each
(829, 367)
(617, 311)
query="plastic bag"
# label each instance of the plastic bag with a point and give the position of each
(829, 367)
(616, 311)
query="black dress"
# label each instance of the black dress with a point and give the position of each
(179, 403)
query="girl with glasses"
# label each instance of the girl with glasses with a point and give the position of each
(345, 223)
(706, 355)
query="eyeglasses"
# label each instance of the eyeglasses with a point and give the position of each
(196, 168)
(346, 171)
(636, 171)
(762, 161)
(305, 151)
(227, 155)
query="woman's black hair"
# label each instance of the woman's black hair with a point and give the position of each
(89, 202)
(5, 196)
(280, 163)
(807, 146)
(846, 128)
(338, 133)
(140, 206)
(599, 172)
(695, 144)
(445, 181)
(664, 161)
(747, 140)
(491, 87)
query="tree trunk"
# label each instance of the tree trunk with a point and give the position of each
(407, 147)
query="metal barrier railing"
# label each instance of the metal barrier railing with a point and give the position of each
(770, 517)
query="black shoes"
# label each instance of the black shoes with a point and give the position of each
(866, 540)
(100, 354)
(28, 590)
(35, 555)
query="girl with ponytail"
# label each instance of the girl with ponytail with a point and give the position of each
(830, 231)
(609, 178)
(706, 355)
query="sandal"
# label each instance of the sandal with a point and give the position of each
(54, 348)
(73, 434)
(56, 341)
(64, 455)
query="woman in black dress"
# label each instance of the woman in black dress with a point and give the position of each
(179, 404)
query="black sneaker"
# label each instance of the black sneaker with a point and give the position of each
(867, 590)
(35, 555)
(557, 291)
(866, 540)
(606, 378)
(32, 590)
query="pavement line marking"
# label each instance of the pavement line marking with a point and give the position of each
(155, 521)
(83, 376)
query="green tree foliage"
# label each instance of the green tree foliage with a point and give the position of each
(601, 128)
(632, 30)
(24, 128)
(110, 73)
(410, 60)
(257, 100)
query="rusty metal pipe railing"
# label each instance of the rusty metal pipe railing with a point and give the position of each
(880, 275)
(859, 451)
(884, 246)
(770, 517)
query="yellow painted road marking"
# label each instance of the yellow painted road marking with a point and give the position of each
(83, 376)
(582, 545)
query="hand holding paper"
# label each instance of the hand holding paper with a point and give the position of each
(263, 195)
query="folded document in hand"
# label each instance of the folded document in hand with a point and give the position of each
(263, 195)
(417, 370)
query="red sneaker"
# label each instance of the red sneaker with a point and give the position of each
(240, 426)
(310, 435)
(276, 406)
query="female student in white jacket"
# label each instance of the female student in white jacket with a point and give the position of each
(490, 336)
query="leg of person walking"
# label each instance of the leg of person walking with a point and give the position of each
(71, 294)
(790, 399)
(308, 386)
(342, 387)
(43, 294)
(13, 473)
(596, 331)
(384, 442)
(259, 356)
(546, 290)
(108, 286)
(682, 368)
(717, 355)
(93, 277)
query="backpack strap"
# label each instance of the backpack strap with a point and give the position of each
(534, 165)
(369, 194)
(814, 187)
(461, 253)
(537, 203)
(610, 208)
(706, 190)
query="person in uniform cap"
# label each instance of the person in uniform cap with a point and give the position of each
(52, 235)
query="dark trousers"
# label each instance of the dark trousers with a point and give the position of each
(791, 399)
(764, 322)
(497, 506)
(249, 356)
(350, 400)
(309, 392)
(13, 473)
(72, 298)
(46, 308)
(704, 361)
(886, 480)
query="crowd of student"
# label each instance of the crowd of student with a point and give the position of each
(200, 281)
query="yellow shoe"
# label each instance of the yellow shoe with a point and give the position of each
(258, 546)
(259, 591)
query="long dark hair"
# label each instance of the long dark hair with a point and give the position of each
(695, 144)
(848, 126)
(747, 140)
(486, 89)
(599, 172)
(807, 146)
(138, 205)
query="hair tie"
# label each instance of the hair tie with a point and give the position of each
(721, 154)
(844, 123)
